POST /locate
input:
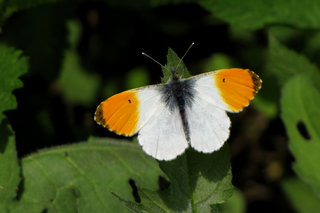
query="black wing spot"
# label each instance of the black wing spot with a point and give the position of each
(223, 80)
(129, 101)
(303, 130)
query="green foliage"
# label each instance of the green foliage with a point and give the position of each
(236, 203)
(77, 84)
(95, 176)
(83, 177)
(218, 61)
(255, 14)
(285, 63)
(300, 112)
(198, 181)
(301, 196)
(137, 77)
(8, 7)
(12, 66)
(174, 62)
(9, 167)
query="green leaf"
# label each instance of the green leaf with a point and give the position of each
(9, 166)
(78, 85)
(75, 32)
(82, 177)
(197, 181)
(301, 196)
(218, 61)
(12, 66)
(173, 61)
(137, 77)
(286, 63)
(11, 6)
(267, 102)
(300, 112)
(236, 203)
(255, 14)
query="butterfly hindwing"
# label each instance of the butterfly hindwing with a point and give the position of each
(162, 136)
(209, 125)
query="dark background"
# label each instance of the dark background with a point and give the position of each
(109, 46)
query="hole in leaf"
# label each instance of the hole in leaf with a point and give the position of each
(44, 210)
(75, 192)
(163, 183)
(303, 130)
(134, 191)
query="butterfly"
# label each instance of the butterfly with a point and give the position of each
(187, 112)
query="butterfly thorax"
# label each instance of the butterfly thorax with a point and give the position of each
(178, 94)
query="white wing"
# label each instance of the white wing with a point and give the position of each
(141, 110)
(228, 89)
(205, 85)
(162, 136)
(208, 124)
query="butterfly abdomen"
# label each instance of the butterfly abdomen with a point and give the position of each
(177, 95)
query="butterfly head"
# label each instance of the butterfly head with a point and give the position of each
(174, 74)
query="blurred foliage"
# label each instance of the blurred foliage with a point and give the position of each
(137, 77)
(78, 53)
(236, 204)
(301, 196)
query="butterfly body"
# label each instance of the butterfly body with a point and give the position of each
(170, 117)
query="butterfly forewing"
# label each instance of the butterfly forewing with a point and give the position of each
(125, 113)
(160, 129)
(228, 89)
(215, 93)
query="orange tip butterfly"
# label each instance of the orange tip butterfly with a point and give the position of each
(170, 117)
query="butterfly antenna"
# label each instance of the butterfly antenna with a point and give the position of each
(184, 55)
(145, 54)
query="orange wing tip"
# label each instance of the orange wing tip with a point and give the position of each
(100, 119)
(119, 113)
(237, 87)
